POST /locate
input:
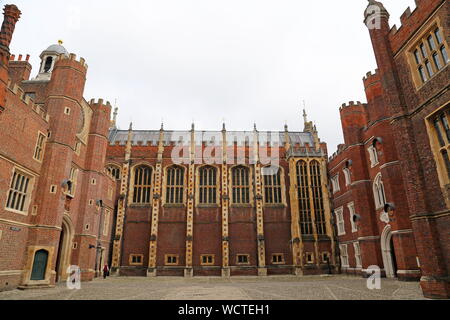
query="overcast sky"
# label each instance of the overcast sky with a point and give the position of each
(242, 61)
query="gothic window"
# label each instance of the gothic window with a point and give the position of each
(142, 185)
(39, 149)
(378, 192)
(272, 186)
(175, 185)
(316, 187)
(304, 198)
(340, 221)
(208, 185)
(113, 171)
(373, 154)
(240, 184)
(19, 192)
(430, 55)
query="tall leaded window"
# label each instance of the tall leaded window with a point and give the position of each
(272, 186)
(240, 184)
(304, 203)
(379, 194)
(142, 185)
(39, 149)
(19, 192)
(175, 185)
(207, 185)
(439, 132)
(430, 55)
(316, 187)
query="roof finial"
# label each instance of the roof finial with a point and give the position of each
(131, 126)
(116, 112)
(193, 126)
(60, 42)
(305, 116)
(254, 127)
(162, 124)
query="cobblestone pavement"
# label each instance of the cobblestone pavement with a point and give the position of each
(237, 288)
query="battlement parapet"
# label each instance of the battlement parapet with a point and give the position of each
(352, 104)
(16, 90)
(12, 58)
(73, 57)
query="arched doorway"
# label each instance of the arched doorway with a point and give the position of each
(64, 250)
(388, 252)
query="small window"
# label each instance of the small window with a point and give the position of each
(344, 255)
(243, 259)
(87, 227)
(171, 260)
(335, 183)
(94, 182)
(75, 246)
(340, 221)
(53, 189)
(351, 209)
(136, 259)
(32, 95)
(373, 154)
(48, 64)
(278, 258)
(67, 111)
(357, 254)
(309, 258)
(207, 260)
(347, 175)
(378, 191)
(39, 149)
(19, 192)
(325, 257)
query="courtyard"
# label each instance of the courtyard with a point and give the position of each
(236, 288)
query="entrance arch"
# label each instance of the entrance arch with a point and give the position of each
(40, 262)
(64, 249)
(388, 252)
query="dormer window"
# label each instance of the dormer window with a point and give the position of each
(48, 64)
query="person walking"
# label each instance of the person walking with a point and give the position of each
(105, 271)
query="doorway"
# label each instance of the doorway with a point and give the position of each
(64, 250)
(388, 252)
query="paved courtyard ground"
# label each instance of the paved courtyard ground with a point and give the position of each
(238, 288)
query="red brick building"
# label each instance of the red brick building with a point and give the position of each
(222, 203)
(56, 201)
(391, 178)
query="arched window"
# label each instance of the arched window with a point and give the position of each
(48, 64)
(207, 185)
(304, 203)
(142, 185)
(175, 185)
(378, 192)
(316, 187)
(272, 186)
(113, 171)
(240, 184)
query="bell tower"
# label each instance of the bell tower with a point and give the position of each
(48, 60)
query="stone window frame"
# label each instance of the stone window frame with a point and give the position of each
(344, 255)
(73, 178)
(241, 187)
(216, 186)
(440, 145)
(169, 256)
(106, 220)
(373, 156)
(166, 186)
(303, 186)
(347, 176)
(282, 186)
(379, 192)
(39, 148)
(335, 183)
(15, 172)
(113, 171)
(352, 212)
(242, 255)
(324, 255)
(136, 264)
(358, 259)
(132, 184)
(340, 221)
(207, 263)
(422, 40)
(309, 258)
(278, 261)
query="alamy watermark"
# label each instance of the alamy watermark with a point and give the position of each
(374, 279)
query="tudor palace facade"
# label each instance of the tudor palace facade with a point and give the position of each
(391, 179)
